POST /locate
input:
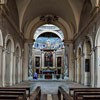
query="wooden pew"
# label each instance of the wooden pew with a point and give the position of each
(91, 97)
(63, 94)
(27, 88)
(36, 95)
(80, 95)
(15, 90)
(18, 93)
(11, 97)
(73, 91)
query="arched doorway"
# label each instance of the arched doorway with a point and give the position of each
(79, 53)
(87, 59)
(9, 60)
(49, 52)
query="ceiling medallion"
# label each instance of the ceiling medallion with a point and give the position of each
(49, 18)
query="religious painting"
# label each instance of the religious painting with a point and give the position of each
(58, 61)
(37, 61)
(48, 59)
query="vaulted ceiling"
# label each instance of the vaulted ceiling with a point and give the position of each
(68, 10)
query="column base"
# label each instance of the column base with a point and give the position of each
(30, 78)
(66, 78)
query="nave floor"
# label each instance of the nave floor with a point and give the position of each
(49, 88)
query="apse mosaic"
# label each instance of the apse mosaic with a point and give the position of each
(48, 43)
(51, 38)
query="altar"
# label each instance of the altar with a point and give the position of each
(48, 73)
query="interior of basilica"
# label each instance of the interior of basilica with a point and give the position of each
(59, 40)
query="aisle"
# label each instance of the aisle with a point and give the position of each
(49, 97)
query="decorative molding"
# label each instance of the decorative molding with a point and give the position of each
(49, 18)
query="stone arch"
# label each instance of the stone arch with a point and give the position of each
(38, 34)
(78, 69)
(65, 28)
(9, 50)
(9, 37)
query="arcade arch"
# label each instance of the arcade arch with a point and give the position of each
(8, 59)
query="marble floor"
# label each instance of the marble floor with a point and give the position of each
(49, 86)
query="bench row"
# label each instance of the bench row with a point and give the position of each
(85, 93)
(18, 93)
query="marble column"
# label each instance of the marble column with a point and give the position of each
(20, 68)
(75, 70)
(30, 73)
(42, 59)
(97, 66)
(82, 68)
(1, 66)
(70, 59)
(11, 67)
(14, 75)
(92, 68)
(54, 60)
(25, 61)
(66, 61)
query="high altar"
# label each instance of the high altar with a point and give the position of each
(48, 63)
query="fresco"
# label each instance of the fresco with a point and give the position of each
(48, 43)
